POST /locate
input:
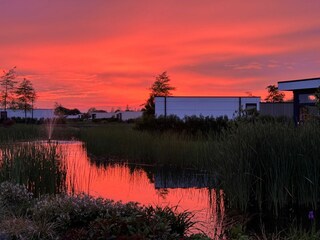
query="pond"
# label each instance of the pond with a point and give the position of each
(70, 169)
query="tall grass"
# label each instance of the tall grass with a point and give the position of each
(28, 132)
(124, 143)
(20, 132)
(36, 165)
(272, 165)
(265, 166)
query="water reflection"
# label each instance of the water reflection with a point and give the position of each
(121, 182)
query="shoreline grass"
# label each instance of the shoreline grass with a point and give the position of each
(261, 166)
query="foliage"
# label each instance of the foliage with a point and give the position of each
(36, 165)
(190, 125)
(7, 84)
(61, 111)
(274, 95)
(85, 217)
(16, 198)
(160, 87)
(26, 96)
(266, 165)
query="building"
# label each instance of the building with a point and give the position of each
(102, 115)
(120, 115)
(303, 96)
(277, 109)
(204, 106)
(35, 113)
(128, 115)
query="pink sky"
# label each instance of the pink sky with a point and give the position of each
(106, 53)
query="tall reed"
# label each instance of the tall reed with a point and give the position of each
(268, 166)
(37, 165)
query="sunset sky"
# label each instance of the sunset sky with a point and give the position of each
(106, 53)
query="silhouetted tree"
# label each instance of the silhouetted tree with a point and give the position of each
(274, 95)
(26, 96)
(93, 109)
(160, 87)
(61, 111)
(7, 84)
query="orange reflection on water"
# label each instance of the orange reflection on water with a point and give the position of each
(121, 183)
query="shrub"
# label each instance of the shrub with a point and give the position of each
(15, 198)
(70, 211)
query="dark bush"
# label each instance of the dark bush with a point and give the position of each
(191, 125)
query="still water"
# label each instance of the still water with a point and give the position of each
(185, 190)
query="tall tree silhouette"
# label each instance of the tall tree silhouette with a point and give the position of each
(26, 96)
(160, 87)
(7, 85)
(274, 95)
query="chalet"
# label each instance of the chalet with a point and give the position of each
(303, 96)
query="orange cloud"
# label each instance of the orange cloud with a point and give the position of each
(106, 53)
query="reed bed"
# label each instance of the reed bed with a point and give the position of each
(261, 166)
(37, 165)
(21, 132)
(30, 132)
(122, 142)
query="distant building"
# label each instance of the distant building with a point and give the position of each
(204, 106)
(102, 115)
(128, 115)
(74, 117)
(303, 96)
(35, 114)
(121, 115)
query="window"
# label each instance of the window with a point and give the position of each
(250, 106)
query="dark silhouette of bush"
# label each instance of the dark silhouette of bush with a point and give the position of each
(190, 125)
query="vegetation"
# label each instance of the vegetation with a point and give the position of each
(160, 87)
(61, 111)
(263, 167)
(274, 95)
(84, 217)
(193, 126)
(26, 96)
(7, 84)
(266, 167)
(37, 165)
(21, 97)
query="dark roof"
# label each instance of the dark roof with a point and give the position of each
(299, 80)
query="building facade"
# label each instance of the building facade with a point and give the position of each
(204, 106)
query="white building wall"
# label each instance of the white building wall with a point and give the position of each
(204, 106)
(128, 115)
(37, 113)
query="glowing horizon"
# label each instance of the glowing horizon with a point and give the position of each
(106, 54)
